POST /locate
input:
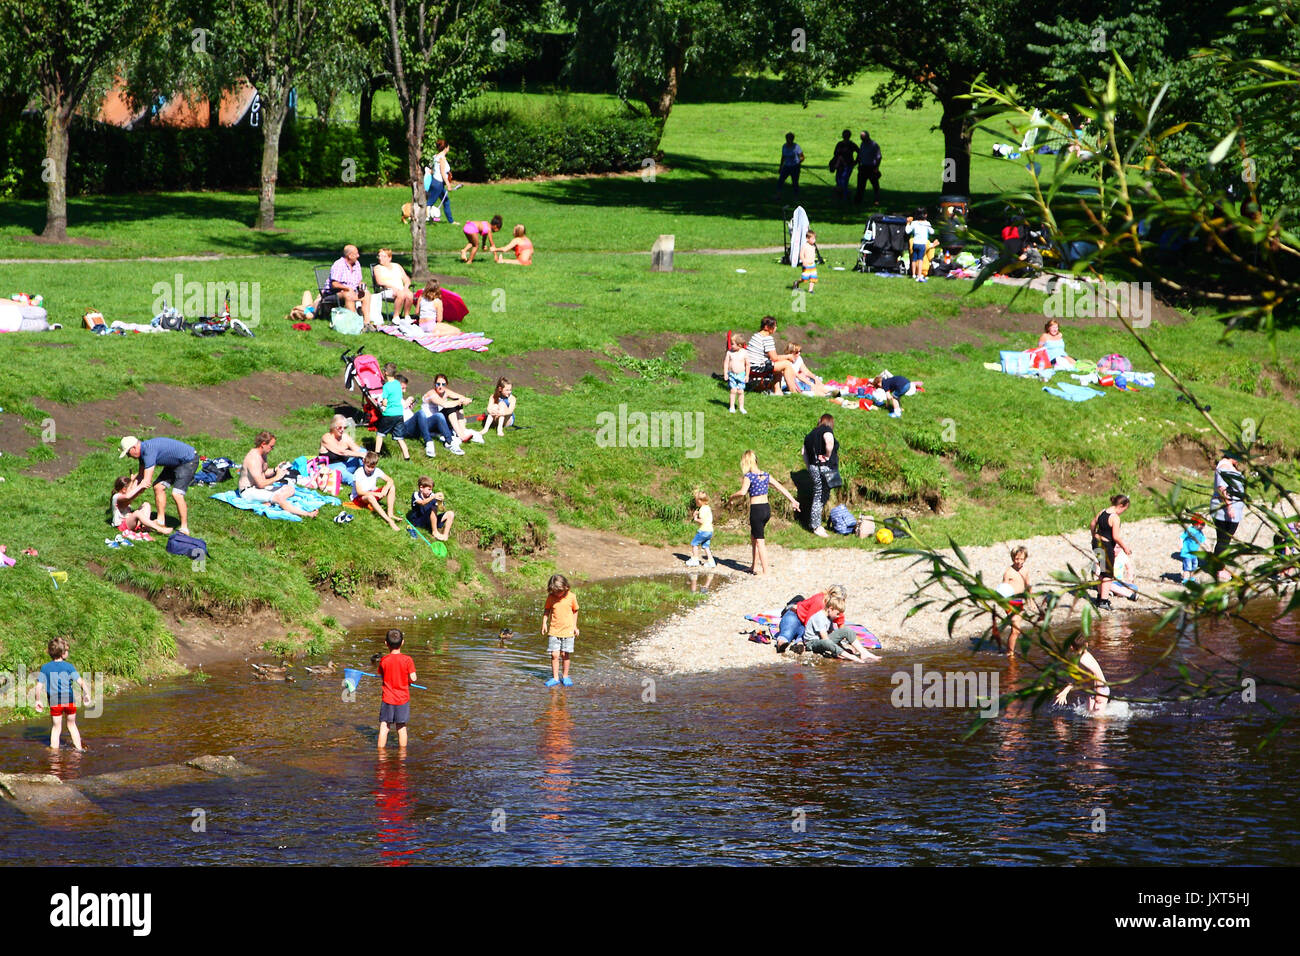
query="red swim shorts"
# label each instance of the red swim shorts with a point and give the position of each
(58, 710)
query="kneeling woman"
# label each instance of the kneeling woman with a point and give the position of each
(754, 483)
(425, 513)
(821, 613)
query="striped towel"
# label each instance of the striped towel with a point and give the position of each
(475, 341)
(304, 498)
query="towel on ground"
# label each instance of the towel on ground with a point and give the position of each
(304, 498)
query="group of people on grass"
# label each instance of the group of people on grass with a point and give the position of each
(865, 155)
(441, 412)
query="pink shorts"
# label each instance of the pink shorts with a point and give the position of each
(471, 229)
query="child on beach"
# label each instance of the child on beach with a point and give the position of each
(735, 369)
(1092, 681)
(500, 407)
(371, 488)
(426, 510)
(808, 262)
(397, 671)
(521, 244)
(560, 627)
(1193, 541)
(919, 228)
(56, 679)
(703, 516)
(134, 522)
(842, 644)
(478, 236)
(1015, 588)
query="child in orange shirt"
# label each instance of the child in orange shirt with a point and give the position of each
(560, 626)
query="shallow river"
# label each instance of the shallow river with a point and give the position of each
(794, 764)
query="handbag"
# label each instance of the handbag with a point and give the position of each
(835, 481)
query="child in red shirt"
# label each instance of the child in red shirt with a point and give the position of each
(397, 670)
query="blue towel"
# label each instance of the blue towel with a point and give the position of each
(305, 498)
(1071, 393)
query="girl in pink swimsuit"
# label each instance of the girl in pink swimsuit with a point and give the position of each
(478, 235)
(521, 244)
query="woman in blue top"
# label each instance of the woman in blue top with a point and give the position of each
(1053, 342)
(755, 484)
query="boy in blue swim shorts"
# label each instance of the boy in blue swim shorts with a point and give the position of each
(735, 369)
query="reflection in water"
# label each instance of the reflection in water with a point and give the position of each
(396, 831)
(697, 586)
(65, 763)
(556, 751)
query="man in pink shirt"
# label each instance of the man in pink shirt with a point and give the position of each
(345, 279)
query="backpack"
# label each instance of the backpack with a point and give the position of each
(187, 547)
(346, 322)
(842, 520)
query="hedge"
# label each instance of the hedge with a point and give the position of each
(487, 143)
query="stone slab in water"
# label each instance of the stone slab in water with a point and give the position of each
(223, 766)
(143, 778)
(46, 798)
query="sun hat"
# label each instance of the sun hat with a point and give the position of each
(127, 443)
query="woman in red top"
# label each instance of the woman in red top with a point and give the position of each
(795, 619)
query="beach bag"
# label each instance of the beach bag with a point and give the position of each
(1116, 363)
(187, 547)
(346, 322)
(842, 520)
(1015, 363)
(329, 482)
(866, 526)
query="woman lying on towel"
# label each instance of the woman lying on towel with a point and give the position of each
(1053, 342)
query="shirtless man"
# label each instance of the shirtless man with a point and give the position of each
(1093, 683)
(257, 477)
(1014, 587)
(337, 445)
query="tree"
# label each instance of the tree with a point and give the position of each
(438, 52)
(272, 43)
(654, 45)
(65, 43)
(935, 49)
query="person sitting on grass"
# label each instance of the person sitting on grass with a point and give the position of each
(258, 481)
(431, 311)
(521, 244)
(1053, 341)
(340, 447)
(500, 408)
(801, 372)
(764, 358)
(451, 405)
(373, 489)
(394, 283)
(425, 511)
(139, 521)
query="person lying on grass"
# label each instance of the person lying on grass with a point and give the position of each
(258, 481)
(373, 489)
(426, 513)
(340, 447)
(125, 491)
(521, 244)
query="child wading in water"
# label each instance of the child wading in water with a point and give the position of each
(703, 516)
(560, 627)
(808, 263)
(56, 680)
(1090, 680)
(1015, 588)
(735, 369)
(397, 671)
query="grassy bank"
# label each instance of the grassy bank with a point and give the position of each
(980, 456)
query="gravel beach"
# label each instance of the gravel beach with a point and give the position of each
(713, 635)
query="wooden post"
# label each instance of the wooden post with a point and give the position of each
(661, 254)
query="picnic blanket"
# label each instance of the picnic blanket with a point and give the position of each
(304, 498)
(475, 341)
(1071, 393)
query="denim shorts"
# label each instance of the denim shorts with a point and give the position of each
(701, 539)
(1190, 565)
(564, 644)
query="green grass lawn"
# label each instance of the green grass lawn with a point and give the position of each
(980, 456)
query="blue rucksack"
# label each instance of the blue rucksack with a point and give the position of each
(842, 520)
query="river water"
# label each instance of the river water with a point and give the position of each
(790, 764)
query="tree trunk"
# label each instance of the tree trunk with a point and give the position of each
(363, 116)
(957, 129)
(667, 96)
(274, 108)
(419, 200)
(214, 110)
(58, 120)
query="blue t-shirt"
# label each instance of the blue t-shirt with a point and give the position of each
(897, 385)
(392, 397)
(1193, 541)
(57, 677)
(167, 452)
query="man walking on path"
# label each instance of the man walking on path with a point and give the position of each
(178, 462)
(869, 157)
(821, 453)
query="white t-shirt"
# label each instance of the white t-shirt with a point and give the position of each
(706, 519)
(118, 514)
(364, 484)
(791, 153)
(919, 230)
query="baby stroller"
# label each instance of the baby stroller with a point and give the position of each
(884, 245)
(362, 372)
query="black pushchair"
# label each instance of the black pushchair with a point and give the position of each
(884, 245)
